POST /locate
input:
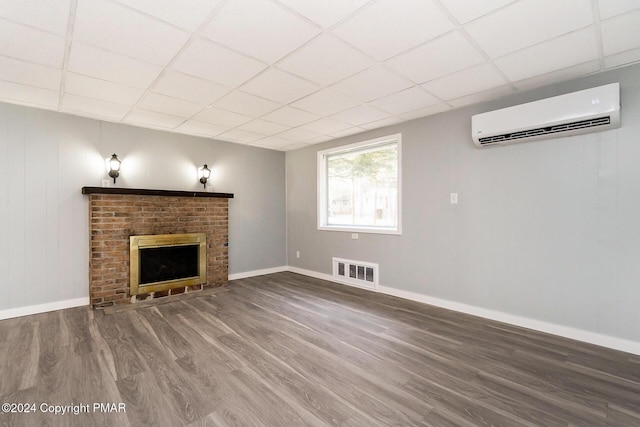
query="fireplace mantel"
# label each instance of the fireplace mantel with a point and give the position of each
(145, 192)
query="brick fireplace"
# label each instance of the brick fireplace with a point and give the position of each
(116, 214)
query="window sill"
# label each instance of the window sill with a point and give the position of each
(356, 229)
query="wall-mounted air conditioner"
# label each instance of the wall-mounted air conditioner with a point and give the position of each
(589, 110)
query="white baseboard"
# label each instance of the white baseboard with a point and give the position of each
(246, 274)
(550, 328)
(43, 308)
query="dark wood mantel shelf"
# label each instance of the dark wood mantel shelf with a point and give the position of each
(145, 192)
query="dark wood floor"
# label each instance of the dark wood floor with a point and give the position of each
(285, 349)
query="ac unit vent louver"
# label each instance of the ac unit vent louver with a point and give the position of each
(585, 111)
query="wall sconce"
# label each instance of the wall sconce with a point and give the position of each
(114, 167)
(205, 174)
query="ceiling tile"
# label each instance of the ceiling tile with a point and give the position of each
(434, 59)
(30, 44)
(325, 60)
(405, 101)
(105, 65)
(263, 127)
(169, 105)
(151, 118)
(28, 73)
(119, 29)
(427, 111)
(221, 117)
(325, 102)
(247, 26)
(46, 15)
(371, 84)
(211, 61)
(90, 87)
(279, 86)
(465, 10)
(273, 143)
(191, 88)
(290, 116)
(16, 93)
(621, 33)
(244, 103)
(347, 132)
(194, 127)
(505, 31)
(326, 12)
(624, 58)
(487, 95)
(389, 27)
(187, 15)
(325, 126)
(472, 80)
(611, 8)
(93, 108)
(241, 136)
(360, 115)
(574, 48)
(550, 78)
(389, 121)
(298, 135)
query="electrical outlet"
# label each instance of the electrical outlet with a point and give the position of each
(453, 198)
(297, 254)
(355, 236)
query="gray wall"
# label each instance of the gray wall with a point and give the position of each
(47, 157)
(546, 230)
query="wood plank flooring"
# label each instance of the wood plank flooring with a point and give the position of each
(289, 350)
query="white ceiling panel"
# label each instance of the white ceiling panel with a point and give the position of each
(528, 22)
(105, 65)
(285, 74)
(621, 33)
(153, 119)
(405, 101)
(90, 87)
(291, 117)
(242, 136)
(371, 84)
(187, 15)
(119, 29)
(28, 73)
(466, 82)
(468, 10)
(360, 115)
(213, 62)
(389, 27)
(245, 103)
(611, 8)
(263, 127)
(48, 15)
(194, 127)
(435, 59)
(28, 95)
(169, 105)
(325, 126)
(279, 86)
(255, 20)
(93, 108)
(326, 12)
(562, 52)
(32, 45)
(325, 60)
(221, 117)
(194, 89)
(325, 102)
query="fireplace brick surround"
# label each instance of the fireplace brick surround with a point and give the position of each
(116, 214)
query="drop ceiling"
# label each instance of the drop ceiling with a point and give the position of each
(283, 74)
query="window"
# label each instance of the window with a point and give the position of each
(359, 187)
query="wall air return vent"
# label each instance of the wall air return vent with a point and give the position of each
(356, 273)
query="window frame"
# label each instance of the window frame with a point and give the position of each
(322, 186)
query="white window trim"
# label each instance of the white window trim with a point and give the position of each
(322, 186)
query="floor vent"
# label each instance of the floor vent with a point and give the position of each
(357, 273)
